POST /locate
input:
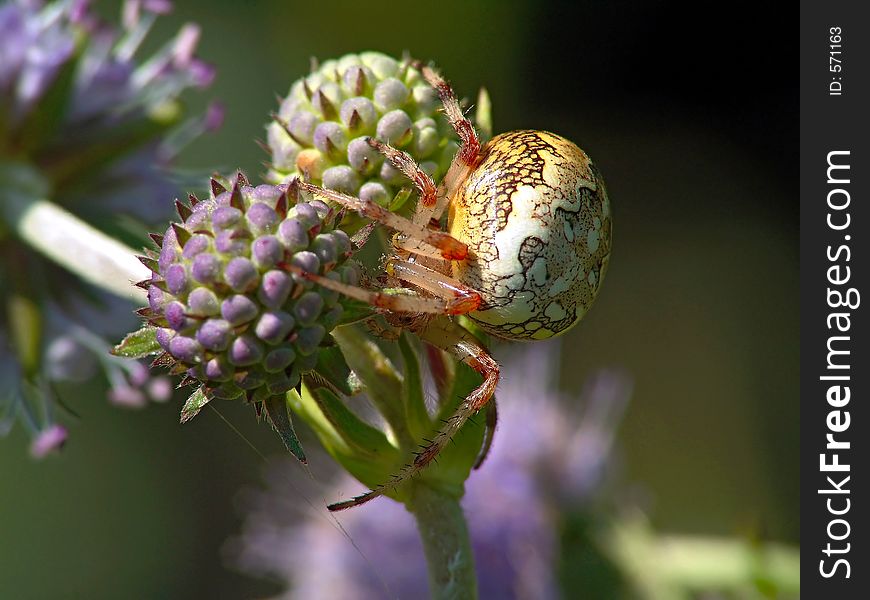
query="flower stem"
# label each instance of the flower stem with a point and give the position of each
(446, 543)
(64, 238)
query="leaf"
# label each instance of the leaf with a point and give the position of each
(139, 344)
(193, 405)
(355, 311)
(276, 411)
(332, 368)
(412, 391)
(359, 435)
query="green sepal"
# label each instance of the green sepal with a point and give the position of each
(399, 199)
(194, 404)
(275, 408)
(362, 439)
(139, 344)
(419, 421)
(332, 368)
(456, 460)
(355, 311)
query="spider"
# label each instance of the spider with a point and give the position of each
(523, 254)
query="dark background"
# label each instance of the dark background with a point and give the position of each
(691, 113)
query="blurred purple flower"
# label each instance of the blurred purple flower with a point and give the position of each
(100, 126)
(542, 456)
(47, 441)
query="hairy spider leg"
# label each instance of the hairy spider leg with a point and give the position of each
(466, 158)
(428, 240)
(403, 303)
(464, 298)
(408, 166)
(448, 336)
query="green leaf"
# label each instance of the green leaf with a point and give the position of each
(361, 437)
(355, 311)
(332, 368)
(193, 405)
(415, 406)
(276, 411)
(139, 344)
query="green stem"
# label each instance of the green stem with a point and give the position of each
(446, 543)
(64, 238)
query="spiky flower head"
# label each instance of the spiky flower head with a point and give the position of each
(320, 129)
(228, 303)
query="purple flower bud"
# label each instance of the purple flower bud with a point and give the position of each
(341, 179)
(156, 298)
(203, 302)
(326, 249)
(350, 274)
(273, 327)
(364, 109)
(279, 359)
(309, 338)
(274, 289)
(390, 94)
(225, 217)
(394, 127)
(302, 126)
(342, 242)
(195, 245)
(262, 218)
(240, 274)
(229, 242)
(245, 350)
(250, 381)
(352, 76)
(169, 251)
(321, 208)
(391, 174)
(281, 384)
(307, 261)
(308, 308)
(185, 349)
(176, 317)
(266, 251)
(266, 194)
(176, 279)
(206, 268)
(293, 234)
(305, 214)
(214, 335)
(164, 336)
(47, 441)
(374, 192)
(218, 369)
(331, 319)
(238, 310)
(329, 137)
(363, 158)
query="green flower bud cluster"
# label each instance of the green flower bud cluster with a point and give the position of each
(321, 128)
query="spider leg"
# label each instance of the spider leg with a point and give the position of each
(408, 166)
(466, 158)
(459, 342)
(429, 240)
(393, 302)
(463, 299)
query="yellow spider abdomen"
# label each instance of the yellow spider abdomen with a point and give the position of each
(536, 218)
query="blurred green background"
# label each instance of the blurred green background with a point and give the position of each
(694, 126)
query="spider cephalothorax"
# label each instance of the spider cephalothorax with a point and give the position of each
(523, 253)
